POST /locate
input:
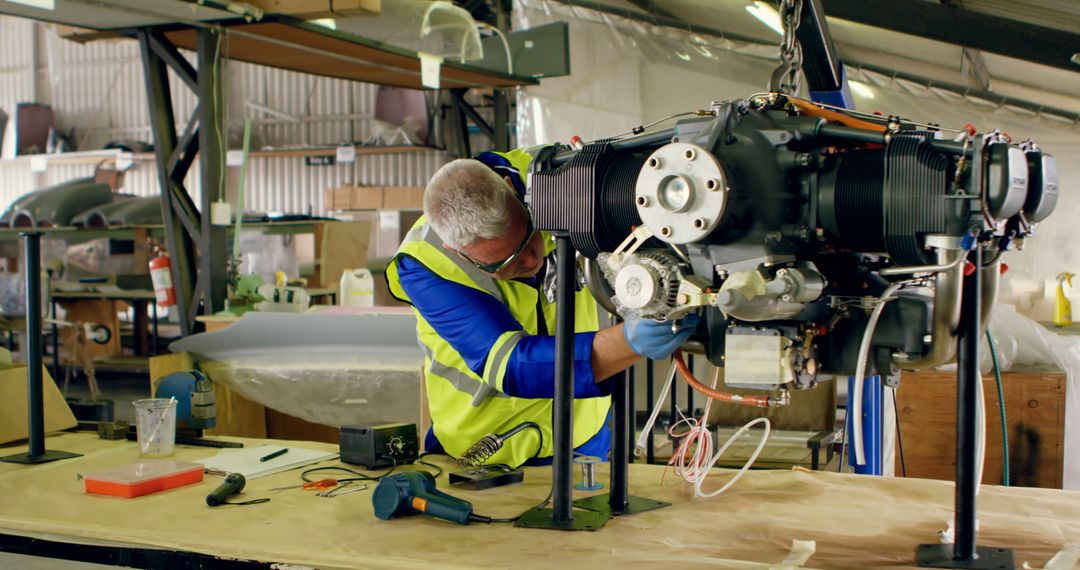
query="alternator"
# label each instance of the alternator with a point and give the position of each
(646, 284)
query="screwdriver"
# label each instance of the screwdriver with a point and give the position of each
(309, 485)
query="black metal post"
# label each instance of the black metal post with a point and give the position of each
(618, 501)
(967, 402)
(563, 427)
(153, 307)
(620, 439)
(35, 398)
(631, 378)
(650, 401)
(34, 391)
(561, 515)
(964, 552)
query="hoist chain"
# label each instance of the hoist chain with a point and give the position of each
(788, 75)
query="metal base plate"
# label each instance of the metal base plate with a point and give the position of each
(49, 455)
(602, 504)
(941, 556)
(545, 518)
(491, 476)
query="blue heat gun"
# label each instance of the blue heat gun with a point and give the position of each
(414, 492)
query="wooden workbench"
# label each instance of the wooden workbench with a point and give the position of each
(857, 521)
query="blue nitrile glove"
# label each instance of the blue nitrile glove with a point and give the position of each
(655, 340)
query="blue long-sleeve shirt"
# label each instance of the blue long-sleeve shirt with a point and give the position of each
(471, 321)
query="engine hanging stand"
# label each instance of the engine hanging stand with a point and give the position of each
(964, 553)
(561, 516)
(618, 501)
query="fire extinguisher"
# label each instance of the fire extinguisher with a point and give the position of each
(161, 276)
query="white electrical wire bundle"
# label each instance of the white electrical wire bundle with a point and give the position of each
(643, 438)
(694, 457)
(855, 398)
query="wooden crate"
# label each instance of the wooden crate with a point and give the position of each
(95, 312)
(1034, 408)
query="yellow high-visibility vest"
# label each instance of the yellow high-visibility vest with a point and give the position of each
(465, 406)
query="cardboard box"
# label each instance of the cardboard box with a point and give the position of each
(13, 403)
(366, 197)
(343, 245)
(306, 9)
(403, 198)
(338, 198)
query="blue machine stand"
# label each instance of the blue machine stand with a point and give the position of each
(872, 398)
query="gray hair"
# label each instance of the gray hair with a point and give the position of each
(466, 200)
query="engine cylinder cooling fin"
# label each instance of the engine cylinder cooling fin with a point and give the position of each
(916, 181)
(617, 212)
(590, 196)
(856, 217)
(888, 201)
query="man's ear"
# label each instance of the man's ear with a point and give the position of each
(509, 181)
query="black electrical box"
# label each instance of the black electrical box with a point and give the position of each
(379, 446)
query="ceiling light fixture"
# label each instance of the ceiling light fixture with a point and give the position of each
(1075, 58)
(767, 15)
(861, 89)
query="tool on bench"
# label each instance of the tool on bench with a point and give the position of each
(324, 484)
(414, 492)
(478, 475)
(233, 484)
(195, 408)
(343, 489)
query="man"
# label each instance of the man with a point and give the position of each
(480, 279)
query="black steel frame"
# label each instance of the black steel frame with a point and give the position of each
(461, 113)
(196, 247)
(964, 552)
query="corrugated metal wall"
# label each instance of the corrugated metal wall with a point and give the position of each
(16, 83)
(97, 89)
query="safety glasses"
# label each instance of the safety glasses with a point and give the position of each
(500, 265)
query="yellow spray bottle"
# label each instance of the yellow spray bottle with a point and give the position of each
(1062, 306)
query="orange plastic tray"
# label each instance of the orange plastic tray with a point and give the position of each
(143, 478)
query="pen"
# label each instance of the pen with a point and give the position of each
(270, 456)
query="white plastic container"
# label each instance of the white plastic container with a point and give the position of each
(357, 288)
(283, 299)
